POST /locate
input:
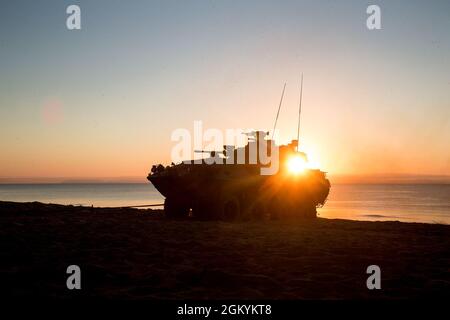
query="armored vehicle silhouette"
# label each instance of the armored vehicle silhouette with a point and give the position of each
(229, 184)
(206, 189)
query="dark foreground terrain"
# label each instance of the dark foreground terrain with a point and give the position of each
(136, 254)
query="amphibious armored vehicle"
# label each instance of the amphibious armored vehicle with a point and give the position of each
(211, 188)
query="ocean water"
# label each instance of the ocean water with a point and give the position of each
(96, 194)
(428, 203)
(375, 202)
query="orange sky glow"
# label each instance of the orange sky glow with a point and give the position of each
(102, 103)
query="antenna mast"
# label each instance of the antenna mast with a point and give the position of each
(278, 113)
(299, 112)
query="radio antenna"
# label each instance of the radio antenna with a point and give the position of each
(278, 113)
(299, 112)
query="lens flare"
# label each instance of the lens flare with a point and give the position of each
(296, 164)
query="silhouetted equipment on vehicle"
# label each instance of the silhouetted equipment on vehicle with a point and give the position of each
(234, 188)
(239, 191)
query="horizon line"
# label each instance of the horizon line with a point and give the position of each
(386, 178)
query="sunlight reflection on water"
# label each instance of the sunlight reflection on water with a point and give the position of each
(408, 203)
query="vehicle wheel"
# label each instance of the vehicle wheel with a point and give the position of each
(255, 211)
(310, 212)
(304, 211)
(204, 210)
(174, 208)
(276, 208)
(230, 209)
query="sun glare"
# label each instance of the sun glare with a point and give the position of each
(296, 164)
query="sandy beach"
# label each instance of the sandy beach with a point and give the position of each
(137, 254)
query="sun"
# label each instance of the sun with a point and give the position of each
(296, 164)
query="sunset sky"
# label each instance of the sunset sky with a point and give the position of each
(103, 101)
